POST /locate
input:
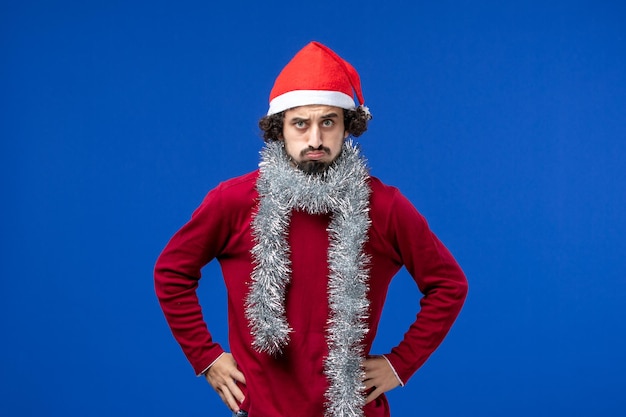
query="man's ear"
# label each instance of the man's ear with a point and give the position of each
(346, 134)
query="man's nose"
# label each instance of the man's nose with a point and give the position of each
(315, 137)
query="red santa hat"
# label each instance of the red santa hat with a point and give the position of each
(316, 75)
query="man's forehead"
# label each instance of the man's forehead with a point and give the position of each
(313, 109)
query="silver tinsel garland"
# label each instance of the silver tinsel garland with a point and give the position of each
(342, 191)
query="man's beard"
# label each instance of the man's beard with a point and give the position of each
(313, 167)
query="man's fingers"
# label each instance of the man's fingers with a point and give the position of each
(373, 395)
(368, 383)
(379, 377)
(229, 392)
(235, 391)
(228, 398)
(238, 376)
(223, 376)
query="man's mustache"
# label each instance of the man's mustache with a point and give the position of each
(312, 149)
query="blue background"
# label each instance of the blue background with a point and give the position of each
(503, 122)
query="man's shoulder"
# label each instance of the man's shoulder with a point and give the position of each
(386, 197)
(236, 192)
(387, 202)
(380, 189)
(240, 183)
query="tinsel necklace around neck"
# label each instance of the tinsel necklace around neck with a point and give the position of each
(343, 191)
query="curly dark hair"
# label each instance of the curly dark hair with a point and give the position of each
(355, 122)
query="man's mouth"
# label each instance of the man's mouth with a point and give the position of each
(315, 155)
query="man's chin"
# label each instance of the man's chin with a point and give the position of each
(313, 166)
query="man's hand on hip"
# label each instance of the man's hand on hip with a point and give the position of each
(379, 377)
(223, 376)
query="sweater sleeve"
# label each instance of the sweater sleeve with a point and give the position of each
(176, 277)
(438, 277)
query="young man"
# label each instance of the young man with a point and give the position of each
(308, 245)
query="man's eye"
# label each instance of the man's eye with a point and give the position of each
(327, 123)
(299, 124)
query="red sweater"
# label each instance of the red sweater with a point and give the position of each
(294, 384)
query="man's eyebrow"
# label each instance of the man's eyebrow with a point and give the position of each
(306, 119)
